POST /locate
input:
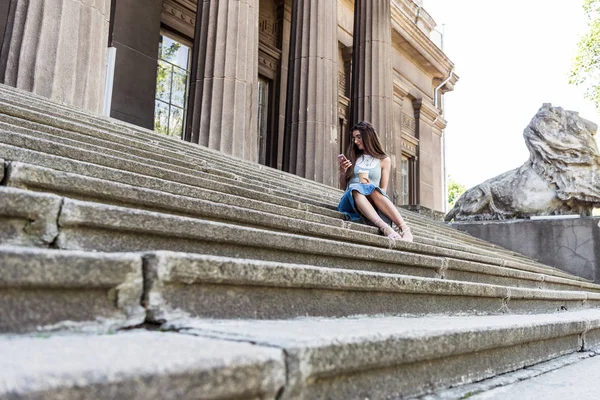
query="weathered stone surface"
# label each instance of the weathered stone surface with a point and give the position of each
(218, 287)
(92, 226)
(29, 176)
(48, 287)
(137, 365)
(382, 357)
(527, 374)
(148, 168)
(95, 226)
(576, 381)
(560, 177)
(572, 245)
(28, 218)
(22, 175)
(158, 146)
(75, 178)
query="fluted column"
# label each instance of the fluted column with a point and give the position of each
(57, 49)
(224, 89)
(372, 87)
(310, 142)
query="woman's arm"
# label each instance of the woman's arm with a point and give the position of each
(386, 165)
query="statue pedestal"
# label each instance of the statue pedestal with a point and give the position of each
(569, 244)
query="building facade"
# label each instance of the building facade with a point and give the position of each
(278, 82)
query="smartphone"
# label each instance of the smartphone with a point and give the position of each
(341, 158)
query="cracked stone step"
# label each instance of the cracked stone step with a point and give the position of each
(137, 365)
(84, 226)
(85, 187)
(395, 357)
(188, 286)
(28, 218)
(426, 239)
(83, 220)
(426, 249)
(51, 289)
(92, 226)
(106, 188)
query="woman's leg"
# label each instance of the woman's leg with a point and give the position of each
(389, 209)
(365, 207)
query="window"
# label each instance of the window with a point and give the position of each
(172, 81)
(405, 185)
(263, 117)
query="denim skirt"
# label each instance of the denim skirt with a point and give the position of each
(346, 204)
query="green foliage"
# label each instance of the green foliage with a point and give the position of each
(585, 70)
(170, 88)
(455, 190)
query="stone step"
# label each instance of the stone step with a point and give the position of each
(334, 358)
(438, 248)
(100, 227)
(447, 235)
(572, 376)
(137, 365)
(180, 285)
(51, 289)
(83, 187)
(79, 121)
(99, 155)
(396, 357)
(336, 194)
(60, 115)
(147, 145)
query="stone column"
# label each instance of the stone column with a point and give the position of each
(57, 49)
(372, 87)
(224, 98)
(310, 143)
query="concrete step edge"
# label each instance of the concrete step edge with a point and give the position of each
(138, 365)
(398, 357)
(222, 287)
(50, 289)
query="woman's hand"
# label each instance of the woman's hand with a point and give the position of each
(344, 164)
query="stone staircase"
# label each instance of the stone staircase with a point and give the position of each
(137, 266)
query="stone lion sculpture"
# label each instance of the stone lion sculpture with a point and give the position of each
(562, 175)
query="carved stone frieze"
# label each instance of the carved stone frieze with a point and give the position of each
(268, 29)
(409, 144)
(179, 15)
(407, 124)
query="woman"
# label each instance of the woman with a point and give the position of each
(367, 196)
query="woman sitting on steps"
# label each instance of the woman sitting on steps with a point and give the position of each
(364, 196)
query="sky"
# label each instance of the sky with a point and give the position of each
(511, 57)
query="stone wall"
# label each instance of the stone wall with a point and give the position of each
(572, 245)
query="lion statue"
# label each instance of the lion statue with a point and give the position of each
(562, 175)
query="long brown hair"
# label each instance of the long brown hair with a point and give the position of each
(371, 144)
